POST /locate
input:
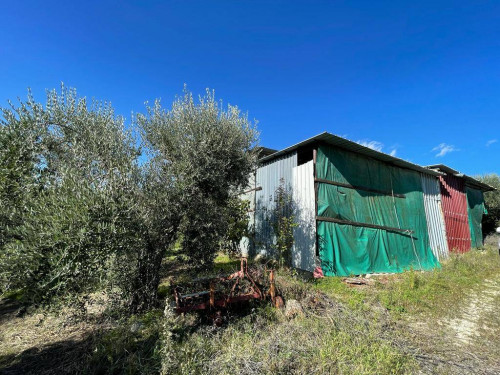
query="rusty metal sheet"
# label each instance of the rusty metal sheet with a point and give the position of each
(454, 203)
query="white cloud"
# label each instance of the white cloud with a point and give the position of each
(374, 145)
(490, 142)
(378, 146)
(444, 149)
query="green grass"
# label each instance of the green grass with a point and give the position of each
(224, 263)
(334, 286)
(435, 291)
(13, 295)
(414, 292)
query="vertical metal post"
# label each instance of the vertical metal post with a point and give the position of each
(212, 294)
(272, 288)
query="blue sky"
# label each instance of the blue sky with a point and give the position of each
(419, 79)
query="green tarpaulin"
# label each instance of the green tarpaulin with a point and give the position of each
(475, 210)
(347, 249)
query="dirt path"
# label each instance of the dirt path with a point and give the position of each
(471, 319)
(467, 340)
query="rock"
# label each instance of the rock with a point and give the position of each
(136, 327)
(169, 311)
(293, 308)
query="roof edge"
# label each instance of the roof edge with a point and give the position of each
(352, 146)
(471, 181)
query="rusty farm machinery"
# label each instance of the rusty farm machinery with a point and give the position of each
(222, 292)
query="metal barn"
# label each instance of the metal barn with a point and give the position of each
(463, 208)
(357, 210)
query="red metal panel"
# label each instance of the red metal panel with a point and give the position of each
(456, 221)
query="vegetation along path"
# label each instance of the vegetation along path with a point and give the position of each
(439, 322)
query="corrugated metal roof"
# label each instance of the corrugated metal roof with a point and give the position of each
(265, 151)
(468, 180)
(476, 183)
(355, 147)
(443, 168)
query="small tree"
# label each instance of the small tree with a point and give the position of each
(283, 221)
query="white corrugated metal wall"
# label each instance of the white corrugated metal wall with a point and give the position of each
(434, 215)
(304, 248)
(268, 177)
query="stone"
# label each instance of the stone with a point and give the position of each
(293, 308)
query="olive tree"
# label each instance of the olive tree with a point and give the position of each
(20, 158)
(207, 150)
(79, 211)
(69, 174)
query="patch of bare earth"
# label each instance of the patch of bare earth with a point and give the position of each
(466, 327)
(467, 339)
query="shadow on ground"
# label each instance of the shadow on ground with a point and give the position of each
(62, 357)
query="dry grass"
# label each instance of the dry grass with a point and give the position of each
(41, 342)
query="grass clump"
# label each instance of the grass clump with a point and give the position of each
(414, 291)
(434, 291)
(132, 347)
(265, 342)
(354, 298)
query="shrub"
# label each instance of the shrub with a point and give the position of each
(492, 201)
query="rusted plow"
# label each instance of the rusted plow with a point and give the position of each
(223, 291)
